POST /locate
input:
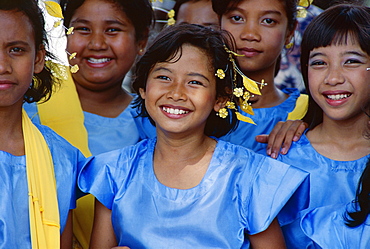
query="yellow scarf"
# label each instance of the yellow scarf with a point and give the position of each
(43, 203)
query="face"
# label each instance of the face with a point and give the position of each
(19, 59)
(199, 12)
(260, 28)
(104, 39)
(179, 96)
(338, 80)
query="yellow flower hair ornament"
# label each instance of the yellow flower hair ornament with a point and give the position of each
(242, 93)
(302, 8)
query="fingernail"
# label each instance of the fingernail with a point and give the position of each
(295, 138)
(268, 151)
(283, 151)
(273, 155)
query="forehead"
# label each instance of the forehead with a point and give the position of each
(96, 10)
(15, 26)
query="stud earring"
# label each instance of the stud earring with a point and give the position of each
(289, 45)
(222, 113)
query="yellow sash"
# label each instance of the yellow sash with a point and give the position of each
(43, 203)
(300, 109)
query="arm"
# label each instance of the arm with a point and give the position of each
(282, 136)
(66, 239)
(271, 238)
(102, 235)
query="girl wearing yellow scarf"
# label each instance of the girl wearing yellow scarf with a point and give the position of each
(37, 167)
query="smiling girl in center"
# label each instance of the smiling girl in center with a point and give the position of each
(185, 188)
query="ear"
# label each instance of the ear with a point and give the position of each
(220, 103)
(141, 44)
(142, 93)
(39, 60)
(290, 33)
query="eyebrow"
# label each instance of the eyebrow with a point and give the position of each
(14, 43)
(265, 12)
(189, 74)
(345, 53)
(109, 21)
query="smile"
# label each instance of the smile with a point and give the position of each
(338, 96)
(96, 61)
(174, 111)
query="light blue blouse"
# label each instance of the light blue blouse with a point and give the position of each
(14, 215)
(266, 119)
(326, 227)
(241, 192)
(331, 182)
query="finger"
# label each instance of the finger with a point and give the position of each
(280, 136)
(262, 138)
(273, 136)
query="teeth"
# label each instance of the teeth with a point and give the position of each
(174, 111)
(338, 96)
(102, 60)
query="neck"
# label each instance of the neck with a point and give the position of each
(271, 95)
(341, 140)
(107, 103)
(11, 135)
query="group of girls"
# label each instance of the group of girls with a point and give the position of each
(185, 187)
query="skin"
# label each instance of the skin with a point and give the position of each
(19, 60)
(260, 28)
(106, 46)
(197, 12)
(183, 152)
(340, 84)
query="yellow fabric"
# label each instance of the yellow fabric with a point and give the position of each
(43, 202)
(63, 113)
(300, 109)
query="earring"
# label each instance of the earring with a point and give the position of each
(222, 113)
(289, 45)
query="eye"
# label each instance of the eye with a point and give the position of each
(195, 82)
(82, 29)
(268, 21)
(113, 30)
(236, 18)
(17, 50)
(353, 61)
(162, 77)
(317, 63)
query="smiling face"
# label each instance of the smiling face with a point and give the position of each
(180, 95)
(338, 80)
(104, 39)
(260, 28)
(19, 59)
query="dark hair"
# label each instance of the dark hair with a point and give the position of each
(167, 47)
(224, 6)
(362, 199)
(139, 12)
(332, 27)
(42, 87)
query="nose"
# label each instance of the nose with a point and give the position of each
(334, 75)
(177, 92)
(97, 41)
(5, 66)
(250, 32)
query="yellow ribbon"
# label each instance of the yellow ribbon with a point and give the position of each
(43, 202)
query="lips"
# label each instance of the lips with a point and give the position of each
(336, 98)
(249, 52)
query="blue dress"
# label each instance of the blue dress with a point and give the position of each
(331, 182)
(14, 215)
(266, 119)
(241, 192)
(106, 134)
(326, 227)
